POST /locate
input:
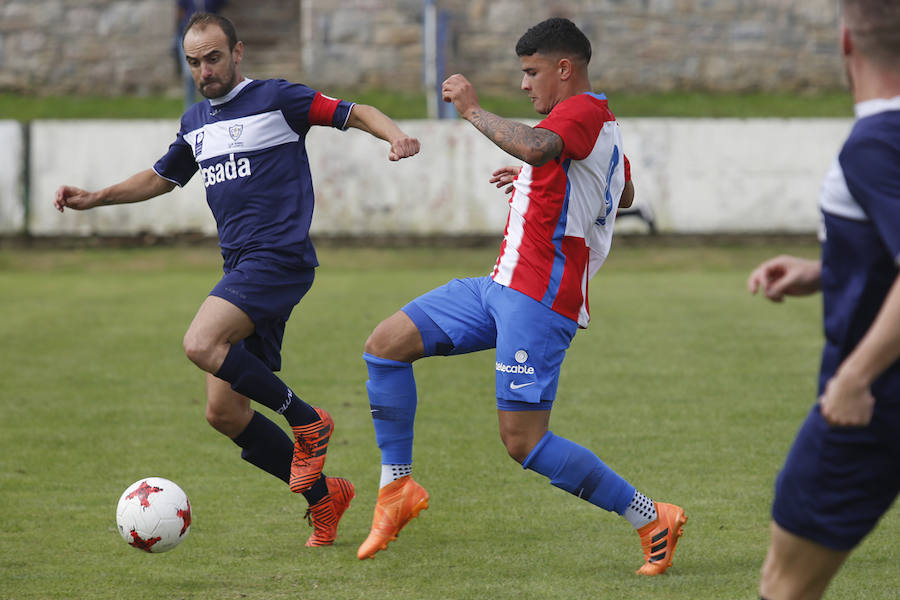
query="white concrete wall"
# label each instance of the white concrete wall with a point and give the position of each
(697, 176)
(12, 209)
(94, 154)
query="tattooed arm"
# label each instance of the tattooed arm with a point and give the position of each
(533, 145)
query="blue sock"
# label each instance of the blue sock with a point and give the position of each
(392, 398)
(580, 472)
(249, 376)
(265, 445)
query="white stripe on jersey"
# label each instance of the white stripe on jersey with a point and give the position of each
(835, 197)
(244, 134)
(515, 227)
(594, 190)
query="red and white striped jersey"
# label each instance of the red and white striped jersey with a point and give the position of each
(561, 214)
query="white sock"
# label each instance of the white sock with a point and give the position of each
(641, 511)
(391, 473)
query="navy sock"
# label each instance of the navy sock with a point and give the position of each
(265, 445)
(249, 376)
(580, 472)
(318, 491)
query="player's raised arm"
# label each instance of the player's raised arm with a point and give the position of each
(373, 121)
(137, 188)
(533, 145)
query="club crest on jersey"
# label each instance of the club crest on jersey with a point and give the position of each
(198, 143)
(235, 132)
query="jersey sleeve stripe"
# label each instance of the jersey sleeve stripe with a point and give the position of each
(178, 183)
(322, 110)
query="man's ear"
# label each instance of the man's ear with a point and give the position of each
(238, 52)
(564, 68)
(846, 40)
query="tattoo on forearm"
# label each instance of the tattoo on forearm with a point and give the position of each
(516, 138)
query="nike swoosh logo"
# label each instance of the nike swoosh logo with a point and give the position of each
(514, 386)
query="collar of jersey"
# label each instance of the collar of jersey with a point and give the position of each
(878, 105)
(230, 95)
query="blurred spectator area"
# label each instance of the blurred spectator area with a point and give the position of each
(115, 47)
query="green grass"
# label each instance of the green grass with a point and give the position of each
(684, 384)
(410, 105)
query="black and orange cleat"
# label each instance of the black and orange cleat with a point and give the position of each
(310, 446)
(324, 515)
(659, 538)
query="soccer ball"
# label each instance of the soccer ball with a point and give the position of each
(153, 514)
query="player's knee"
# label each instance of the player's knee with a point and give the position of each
(223, 420)
(374, 344)
(517, 447)
(198, 351)
(387, 341)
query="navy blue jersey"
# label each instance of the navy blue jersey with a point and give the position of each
(250, 149)
(861, 208)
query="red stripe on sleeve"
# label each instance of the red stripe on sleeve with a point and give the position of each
(321, 112)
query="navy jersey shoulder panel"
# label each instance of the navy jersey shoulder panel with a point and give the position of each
(870, 161)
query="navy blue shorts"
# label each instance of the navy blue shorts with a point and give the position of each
(268, 293)
(837, 482)
(530, 339)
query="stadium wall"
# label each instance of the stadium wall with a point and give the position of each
(88, 46)
(697, 176)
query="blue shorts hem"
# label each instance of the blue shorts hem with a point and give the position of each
(518, 406)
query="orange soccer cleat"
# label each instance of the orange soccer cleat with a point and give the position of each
(658, 539)
(398, 503)
(323, 516)
(310, 445)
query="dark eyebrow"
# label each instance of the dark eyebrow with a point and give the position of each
(210, 54)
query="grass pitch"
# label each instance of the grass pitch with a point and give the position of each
(686, 385)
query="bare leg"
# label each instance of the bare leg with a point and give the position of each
(227, 411)
(796, 568)
(217, 324)
(396, 338)
(520, 431)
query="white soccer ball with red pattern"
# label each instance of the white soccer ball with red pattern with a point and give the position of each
(154, 514)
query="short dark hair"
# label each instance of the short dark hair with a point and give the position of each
(203, 19)
(875, 29)
(555, 35)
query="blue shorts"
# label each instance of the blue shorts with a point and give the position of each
(530, 339)
(838, 481)
(268, 293)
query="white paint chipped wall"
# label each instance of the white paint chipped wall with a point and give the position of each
(697, 175)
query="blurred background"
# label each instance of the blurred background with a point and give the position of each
(116, 47)
(731, 109)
